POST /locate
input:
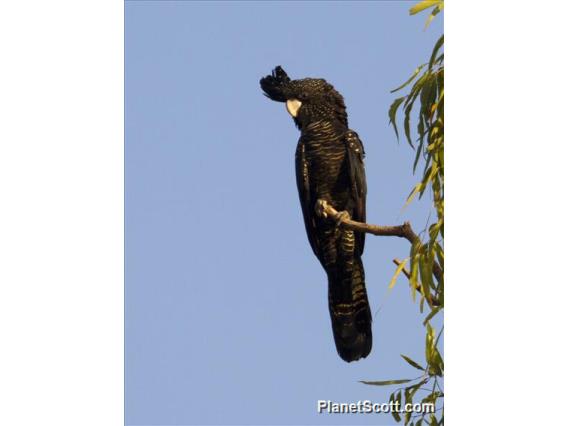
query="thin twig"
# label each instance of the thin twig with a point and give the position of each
(404, 270)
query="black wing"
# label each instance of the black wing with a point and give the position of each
(306, 201)
(356, 167)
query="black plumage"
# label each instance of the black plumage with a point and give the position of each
(329, 167)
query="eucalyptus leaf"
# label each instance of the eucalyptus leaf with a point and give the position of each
(431, 315)
(413, 363)
(412, 77)
(386, 382)
(437, 47)
(397, 273)
(392, 113)
(398, 398)
(418, 152)
(436, 10)
(423, 5)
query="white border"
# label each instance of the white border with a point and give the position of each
(61, 214)
(506, 163)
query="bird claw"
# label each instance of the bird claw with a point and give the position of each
(342, 217)
(320, 208)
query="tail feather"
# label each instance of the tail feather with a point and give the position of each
(349, 310)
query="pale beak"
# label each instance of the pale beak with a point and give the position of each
(293, 106)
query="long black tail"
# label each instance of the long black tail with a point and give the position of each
(349, 310)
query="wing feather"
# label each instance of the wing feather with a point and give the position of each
(356, 166)
(306, 201)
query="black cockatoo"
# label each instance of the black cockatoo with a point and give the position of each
(329, 167)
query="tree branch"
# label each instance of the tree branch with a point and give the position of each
(325, 210)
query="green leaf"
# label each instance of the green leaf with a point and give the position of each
(407, 126)
(397, 273)
(409, 104)
(436, 10)
(439, 254)
(398, 399)
(433, 357)
(416, 190)
(407, 416)
(392, 113)
(431, 315)
(386, 382)
(417, 386)
(419, 149)
(434, 230)
(412, 77)
(429, 343)
(414, 267)
(428, 176)
(437, 365)
(407, 397)
(432, 397)
(415, 90)
(423, 5)
(428, 95)
(421, 127)
(413, 363)
(428, 161)
(439, 59)
(425, 272)
(440, 79)
(437, 47)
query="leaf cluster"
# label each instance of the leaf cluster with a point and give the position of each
(425, 388)
(426, 100)
(424, 105)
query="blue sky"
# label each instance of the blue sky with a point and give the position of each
(226, 318)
